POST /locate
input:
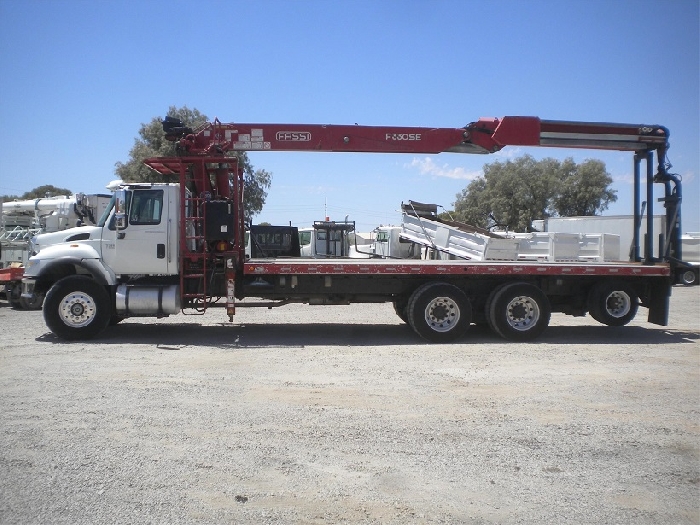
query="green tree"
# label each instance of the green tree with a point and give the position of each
(255, 184)
(470, 206)
(584, 189)
(514, 193)
(40, 192)
(152, 143)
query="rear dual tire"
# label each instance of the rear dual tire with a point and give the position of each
(401, 309)
(518, 311)
(688, 277)
(613, 303)
(439, 312)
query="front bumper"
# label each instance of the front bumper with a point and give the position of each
(28, 288)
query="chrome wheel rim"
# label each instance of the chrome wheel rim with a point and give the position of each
(442, 314)
(77, 309)
(618, 304)
(522, 313)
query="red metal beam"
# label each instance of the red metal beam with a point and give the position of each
(394, 267)
(487, 135)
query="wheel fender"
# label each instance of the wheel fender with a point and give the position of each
(95, 266)
(44, 273)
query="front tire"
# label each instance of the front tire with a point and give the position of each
(613, 303)
(76, 308)
(439, 312)
(518, 311)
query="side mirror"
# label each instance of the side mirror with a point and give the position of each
(120, 220)
(120, 209)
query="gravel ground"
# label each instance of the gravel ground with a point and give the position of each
(341, 415)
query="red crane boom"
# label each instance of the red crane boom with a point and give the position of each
(487, 135)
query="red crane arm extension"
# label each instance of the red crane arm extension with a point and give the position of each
(601, 135)
(319, 137)
(493, 134)
(487, 135)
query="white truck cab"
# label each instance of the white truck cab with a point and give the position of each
(136, 238)
(144, 243)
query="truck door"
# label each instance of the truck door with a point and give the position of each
(145, 243)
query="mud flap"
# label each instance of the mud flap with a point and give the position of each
(659, 299)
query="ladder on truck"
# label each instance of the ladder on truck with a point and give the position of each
(193, 250)
(203, 182)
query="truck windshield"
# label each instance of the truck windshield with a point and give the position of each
(108, 210)
(382, 236)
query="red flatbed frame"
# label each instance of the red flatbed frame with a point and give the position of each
(428, 267)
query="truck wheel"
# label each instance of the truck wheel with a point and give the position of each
(519, 311)
(487, 307)
(688, 277)
(439, 312)
(612, 303)
(401, 309)
(77, 307)
(32, 304)
(14, 294)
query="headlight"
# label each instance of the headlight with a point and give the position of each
(32, 266)
(33, 246)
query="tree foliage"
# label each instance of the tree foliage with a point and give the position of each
(40, 192)
(584, 189)
(514, 193)
(152, 143)
(255, 184)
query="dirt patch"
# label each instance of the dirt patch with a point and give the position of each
(341, 415)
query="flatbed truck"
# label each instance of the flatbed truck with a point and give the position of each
(165, 248)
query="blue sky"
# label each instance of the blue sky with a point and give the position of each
(78, 77)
